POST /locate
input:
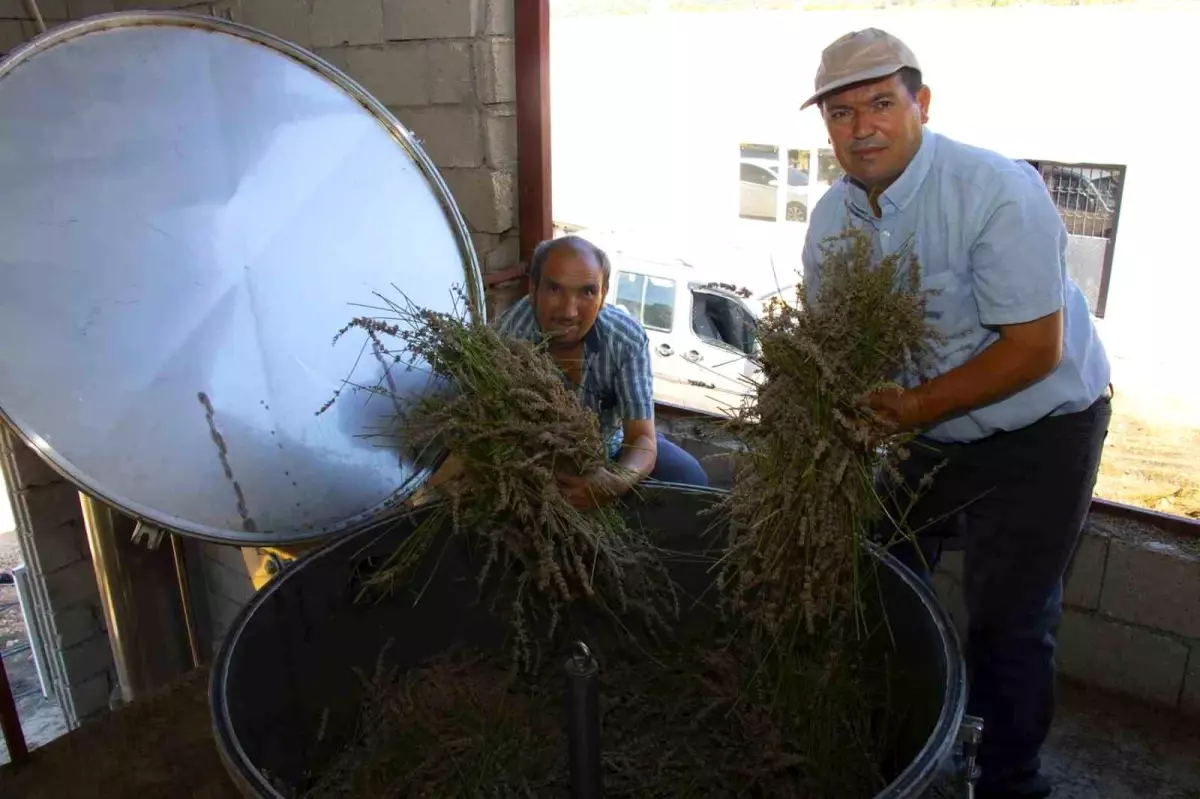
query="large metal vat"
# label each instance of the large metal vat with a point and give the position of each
(285, 669)
(192, 208)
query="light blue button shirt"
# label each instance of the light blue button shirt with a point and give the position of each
(991, 243)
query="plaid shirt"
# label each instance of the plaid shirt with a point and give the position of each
(617, 382)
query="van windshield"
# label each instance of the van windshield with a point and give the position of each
(723, 321)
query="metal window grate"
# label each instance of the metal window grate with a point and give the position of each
(1088, 198)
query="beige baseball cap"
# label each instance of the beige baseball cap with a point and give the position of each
(860, 55)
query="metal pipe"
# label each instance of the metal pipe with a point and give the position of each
(185, 598)
(32, 629)
(583, 724)
(31, 7)
(102, 540)
(10, 722)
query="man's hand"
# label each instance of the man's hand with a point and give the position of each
(593, 490)
(900, 410)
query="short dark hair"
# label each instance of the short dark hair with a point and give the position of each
(909, 76)
(577, 243)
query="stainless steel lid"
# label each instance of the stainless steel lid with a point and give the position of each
(190, 209)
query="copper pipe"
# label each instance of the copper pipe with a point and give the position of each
(185, 599)
(31, 7)
(100, 524)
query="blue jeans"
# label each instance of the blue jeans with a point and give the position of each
(1018, 500)
(674, 465)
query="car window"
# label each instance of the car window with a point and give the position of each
(724, 322)
(650, 300)
(756, 174)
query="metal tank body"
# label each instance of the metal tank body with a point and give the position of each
(285, 670)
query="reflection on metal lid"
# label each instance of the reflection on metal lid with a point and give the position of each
(191, 209)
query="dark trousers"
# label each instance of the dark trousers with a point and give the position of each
(674, 465)
(1018, 500)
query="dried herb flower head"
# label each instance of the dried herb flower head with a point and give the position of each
(511, 423)
(803, 490)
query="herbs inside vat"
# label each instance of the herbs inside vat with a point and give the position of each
(777, 695)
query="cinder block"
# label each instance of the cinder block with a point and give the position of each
(450, 74)
(495, 69)
(1122, 658)
(51, 9)
(499, 298)
(287, 19)
(87, 659)
(56, 548)
(1190, 700)
(1087, 573)
(225, 554)
(484, 243)
(451, 136)
(1153, 585)
(445, 19)
(951, 564)
(499, 20)
(81, 9)
(233, 585)
(395, 74)
(486, 197)
(48, 506)
(950, 595)
(77, 624)
(12, 35)
(335, 56)
(72, 585)
(223, 611)
(500, 130)
(93, 696)
(28, 468)
(346, 22)
(504, 255)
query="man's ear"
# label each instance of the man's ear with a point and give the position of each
(923, 98)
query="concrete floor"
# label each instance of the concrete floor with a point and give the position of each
(1108, 747)
(1102, 746)
(1105, 746)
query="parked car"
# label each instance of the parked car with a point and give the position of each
(759, 190)
(701, 330)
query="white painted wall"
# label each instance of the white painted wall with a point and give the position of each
(647, 113)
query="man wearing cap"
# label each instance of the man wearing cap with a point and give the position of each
(1016, 408)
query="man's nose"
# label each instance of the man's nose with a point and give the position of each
(863, 129)
(571, 307)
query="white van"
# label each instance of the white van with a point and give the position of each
(702, 332)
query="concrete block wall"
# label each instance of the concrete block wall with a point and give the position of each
(1131, 621)
(66, 607)
(445, 69)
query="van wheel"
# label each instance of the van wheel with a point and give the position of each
(796, 212)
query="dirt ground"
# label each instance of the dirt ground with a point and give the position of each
(41, 718)
(1152, 456)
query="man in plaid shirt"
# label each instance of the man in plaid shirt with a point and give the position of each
(605, 358)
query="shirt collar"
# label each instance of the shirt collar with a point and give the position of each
(898, 195)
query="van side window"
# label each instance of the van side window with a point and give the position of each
(650, 300)
(721, 321)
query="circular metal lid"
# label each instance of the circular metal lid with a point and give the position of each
(190, 210)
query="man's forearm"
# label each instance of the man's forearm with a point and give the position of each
(637, 459)
(1003, 369)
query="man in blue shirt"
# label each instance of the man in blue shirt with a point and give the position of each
(1017, 407)
(605, 357)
